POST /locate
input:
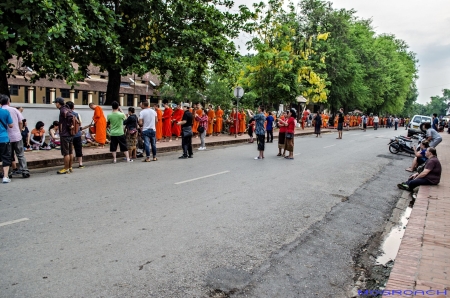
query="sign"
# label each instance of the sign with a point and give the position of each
(238, 92)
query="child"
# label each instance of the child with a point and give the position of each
(250, 129)
(38, 137)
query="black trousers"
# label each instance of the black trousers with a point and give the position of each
(269, 134)
(186, 143)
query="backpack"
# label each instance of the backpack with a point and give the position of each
(75, 125)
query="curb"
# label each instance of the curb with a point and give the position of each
(46, 163)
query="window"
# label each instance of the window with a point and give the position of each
(417, 119)
(76, 94)
(124, 84)
(143, 98)
(130, 99)
(14, 90)
(65, 93)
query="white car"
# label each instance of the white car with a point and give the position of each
(417, 120)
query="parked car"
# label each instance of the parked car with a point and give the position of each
(415, 124)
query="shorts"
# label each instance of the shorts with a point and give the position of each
(364, 125)
(118, 140)
(340, 125)
(78, 146)
(5, 154)
(66, 145)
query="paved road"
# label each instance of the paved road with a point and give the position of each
(262, 228)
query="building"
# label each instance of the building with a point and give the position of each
(133, 88)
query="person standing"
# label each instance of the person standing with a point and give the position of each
(167, 122)
(5, 147)
(219, 121)
(131, 132)
(77, 143)
(186, 132)
(242, 122)
(202, 120)
(376, 120)
(211, 116)
(395, 122)
(251, 129)
(15, 138)
(177, 115)
(435, 122)
(340, 123)
(159, 124)
(66, 138)
(290, 130)
(99, 122)
(148, 120)
(364, 122)
(260, 119)
(317, 124)
(282, 124)
(269, 127)
(115, 122)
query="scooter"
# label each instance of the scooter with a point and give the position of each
(402, 144)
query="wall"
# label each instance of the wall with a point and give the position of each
(48, 113)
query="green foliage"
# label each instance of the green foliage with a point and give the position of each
(48, 34)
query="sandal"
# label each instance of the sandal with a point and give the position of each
(146, 160)
(155, 159)
(279, 154)
(409, 170)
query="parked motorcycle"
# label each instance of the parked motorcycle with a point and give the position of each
(405, 144)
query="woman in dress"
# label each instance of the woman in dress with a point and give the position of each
(131, 126)
(282, 124)
(290, 129)
(317, 124)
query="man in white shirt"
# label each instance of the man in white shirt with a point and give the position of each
(148, 120)
(376, 120)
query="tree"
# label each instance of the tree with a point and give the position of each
(438, 104)
(158, 36)
(46, 35)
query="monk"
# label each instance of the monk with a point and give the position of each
(359, 120)
(99, 122)
(233, 122)
(167, 123)
(211, 117)
(176, 117)
(159, 124)
(243, 124)
(336, 118)
(219, 121)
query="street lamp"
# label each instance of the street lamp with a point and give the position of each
(238, 93)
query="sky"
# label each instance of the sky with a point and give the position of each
(423, 25)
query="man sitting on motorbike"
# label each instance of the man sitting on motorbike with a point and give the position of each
(432, 135)
(420, 156)
(431, 174)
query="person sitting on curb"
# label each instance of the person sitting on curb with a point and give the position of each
(420, 156)
(431, 175)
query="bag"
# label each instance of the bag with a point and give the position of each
(187, 131)
(289, 135)
(92, 128)
(200, 129)
(421, 168)
(75, 125)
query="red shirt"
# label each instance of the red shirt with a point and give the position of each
(283, 128)
(291, 125)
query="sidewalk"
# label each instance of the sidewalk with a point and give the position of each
(422, 266)
(51, 158)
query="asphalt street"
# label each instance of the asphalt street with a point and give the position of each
(185, 228)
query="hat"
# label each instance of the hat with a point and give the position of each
(59, 100)
(186, 105)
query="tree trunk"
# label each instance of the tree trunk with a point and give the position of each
(3, 74)
(113, 88)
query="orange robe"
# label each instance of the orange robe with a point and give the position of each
(242, 123)
(167, 123)
(196, 123)
(233, 123)
(359, 120)
(211, 116)
(325, 121)
(100, 125)
(335, 122)
(176, 117)
(159, 124)
(219, 121)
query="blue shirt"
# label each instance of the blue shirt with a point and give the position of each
(269, 120)
(5, 120)
(260, 119)
(435, 124)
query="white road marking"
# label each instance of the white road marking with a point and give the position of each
(13, 222)
(330, 146)
(296, 154)
(207, 176)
